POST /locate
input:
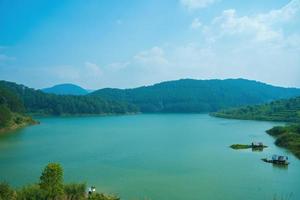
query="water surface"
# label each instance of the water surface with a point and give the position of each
(161, 157)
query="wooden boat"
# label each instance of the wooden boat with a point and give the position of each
(278, 160)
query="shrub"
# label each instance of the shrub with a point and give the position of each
(6, 192)
(75, 191)
(31, 192)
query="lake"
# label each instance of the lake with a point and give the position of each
(152, 156)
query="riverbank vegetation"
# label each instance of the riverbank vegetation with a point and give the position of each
(286, 110)
(288, 137)
(51, 187)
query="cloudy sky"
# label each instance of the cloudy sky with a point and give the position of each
(117, 43)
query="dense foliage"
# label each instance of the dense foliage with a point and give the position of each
(51, 187)
(288, 137)
(36, 101)
(282, 110)
(11, 111)
(197, 95)
(5, 116)
(10, 100)
(6, 192)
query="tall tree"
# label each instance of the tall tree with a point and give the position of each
(51, 181)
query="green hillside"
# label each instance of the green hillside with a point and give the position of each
(36, 101)
(287, 110)
(190, 95)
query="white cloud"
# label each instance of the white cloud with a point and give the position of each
(196, 4)
(196, 24)
(259, 27)
(284, 14)
(230, 24)
(115, 66)
(244, 46)
(154, 56)
(254, 46)
(92, 69)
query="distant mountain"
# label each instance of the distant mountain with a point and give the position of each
(287, 110)
(188, 95)
(66, 89)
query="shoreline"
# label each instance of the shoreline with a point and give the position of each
(277, 138)
(13, 126)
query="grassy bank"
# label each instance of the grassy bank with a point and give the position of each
(51, 186)
(16, 121)
(288, 137)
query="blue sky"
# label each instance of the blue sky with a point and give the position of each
(118, 43)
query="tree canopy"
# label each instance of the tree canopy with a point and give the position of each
(188, 95)
(287, 110)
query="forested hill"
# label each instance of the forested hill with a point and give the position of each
(36, 101)
(281, 110)
(188, 95)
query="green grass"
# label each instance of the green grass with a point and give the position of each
(240, 146)
(245, 146)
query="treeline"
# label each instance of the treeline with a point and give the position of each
(51, 187)
(287, 110)
(36, 101)
(190, 96)
(11, 111)
(288, 137)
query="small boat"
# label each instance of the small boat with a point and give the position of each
(257, 145)
(278, 160)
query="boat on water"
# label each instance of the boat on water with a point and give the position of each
(257, 145)
(278, 160)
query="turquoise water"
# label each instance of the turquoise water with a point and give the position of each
(161, 157)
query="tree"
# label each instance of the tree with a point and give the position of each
(51, 181)
(5, 116)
